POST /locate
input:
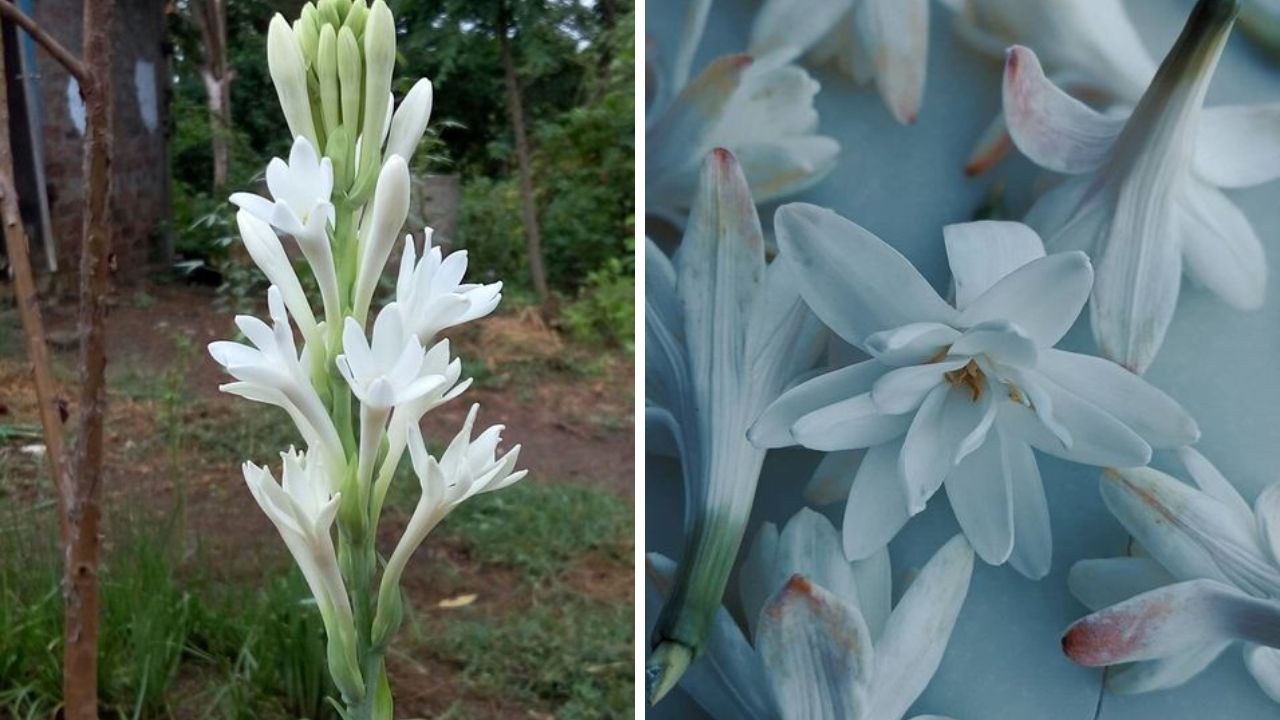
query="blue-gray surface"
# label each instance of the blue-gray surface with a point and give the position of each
(904, 184)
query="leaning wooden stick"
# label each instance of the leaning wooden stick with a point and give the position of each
(15, 239)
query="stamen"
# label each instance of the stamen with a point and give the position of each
(970, 375)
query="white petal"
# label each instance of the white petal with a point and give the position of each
(895, 35)
(1070, 216)
(1049, 126)
(810, 546)
(981, 253)
(773, 427)
(875, 589)
(1042, 298)
(849, 425)
(1268, 509)
(1164, 673)
(1000, 341)
(256, 204)
(1220, 248)
(818, 651)
(916, 635)
(1104, 582)
(1239, 145)
(756, 582)
(1171, 620)
(833, 478)
(687, 125)
(777, 167)
(410, 120)
(902, 390)
(930, 449)
(1137, 275)
(787, 28)
(981, 498)
(1154, 416)
(1189, 532)
(1264, 665)
(1032, 539)
(877, 507)
(854, 281)
(910, 344)
(1097, 438)
(1208, 479)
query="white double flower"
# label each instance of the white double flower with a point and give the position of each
(957, 396)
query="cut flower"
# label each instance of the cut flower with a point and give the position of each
(761, 112)
(1212, 577)
(880, 41)
(957, 397)
(1144, 202)
(726, 333)
(822, 642)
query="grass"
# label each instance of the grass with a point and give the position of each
(567, 653)
(542, 529)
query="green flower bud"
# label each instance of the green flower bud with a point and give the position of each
(380, 62)
(328, 13)
(350, 79)
(307, 29)
(289, 75)
(327, 73)
(343, 7)
(338, 150)
(356, 18)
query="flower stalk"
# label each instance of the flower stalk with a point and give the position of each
(363, 377)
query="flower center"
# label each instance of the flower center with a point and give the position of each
(971, 376)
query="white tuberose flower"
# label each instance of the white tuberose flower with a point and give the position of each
(824, 644)
(763, 114)
(726, 333)
(301, 191)
(880, 41)
(431, 293)
(1089, 47)
(303, 509)
(272, 372)
(1144, 202)
(1212, 578)
(387, 371)
(467, 468)
(958, 396)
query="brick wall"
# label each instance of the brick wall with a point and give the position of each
(140, 169)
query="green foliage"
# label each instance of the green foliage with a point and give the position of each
(605, 309)
(583, 673)
(541, 529)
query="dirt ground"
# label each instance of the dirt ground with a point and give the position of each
(571, 411)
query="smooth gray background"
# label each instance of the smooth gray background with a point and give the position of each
(904, 184)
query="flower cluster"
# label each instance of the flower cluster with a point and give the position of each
(824, 642)
(356, 396)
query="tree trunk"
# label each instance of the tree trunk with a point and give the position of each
(80, 581)
(515, 106)
(211, 18)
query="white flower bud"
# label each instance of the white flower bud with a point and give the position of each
(289, 75)
(410, 120)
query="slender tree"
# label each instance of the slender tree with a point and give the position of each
(210, 18)
(80, 483)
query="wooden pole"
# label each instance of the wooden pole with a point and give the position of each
(15, 240)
